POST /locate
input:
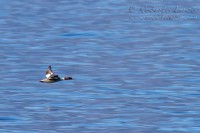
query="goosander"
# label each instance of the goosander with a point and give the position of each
(51, 77)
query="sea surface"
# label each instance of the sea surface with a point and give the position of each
(135, 66)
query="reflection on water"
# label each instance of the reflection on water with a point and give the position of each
(129, 76)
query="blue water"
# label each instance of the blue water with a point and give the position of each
(131, 75)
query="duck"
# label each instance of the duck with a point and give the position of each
(51, 77)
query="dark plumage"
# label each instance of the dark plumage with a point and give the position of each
(51, 77)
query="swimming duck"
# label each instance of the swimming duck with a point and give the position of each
(51, 77)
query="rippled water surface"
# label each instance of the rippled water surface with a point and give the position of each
(130, 75)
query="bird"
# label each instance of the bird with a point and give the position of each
(51, 77)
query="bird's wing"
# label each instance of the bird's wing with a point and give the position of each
(49, 72)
